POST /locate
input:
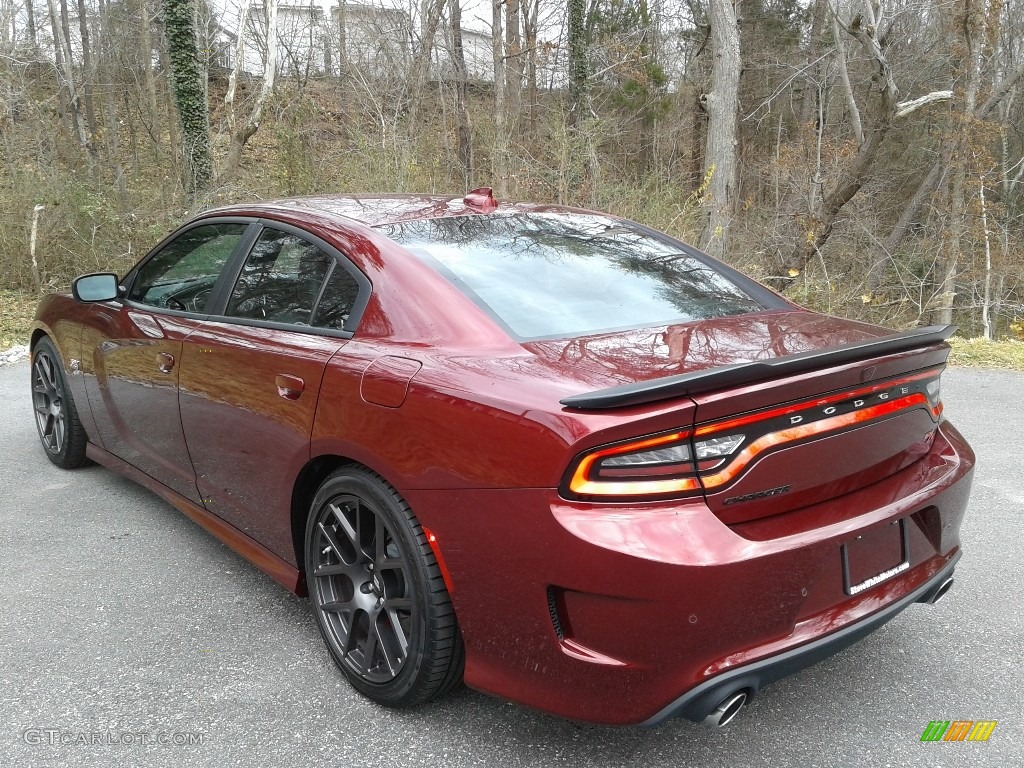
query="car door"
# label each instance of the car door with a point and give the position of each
(132, 347)
(250, 378)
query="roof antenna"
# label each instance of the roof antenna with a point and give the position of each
(482, 199)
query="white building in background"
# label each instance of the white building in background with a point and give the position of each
(378, 39)
(379, 36)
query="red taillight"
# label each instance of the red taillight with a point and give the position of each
(652, 466)
(682, 463)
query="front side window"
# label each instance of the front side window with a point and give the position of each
(181, 276)
(569, 274)
(280, 280)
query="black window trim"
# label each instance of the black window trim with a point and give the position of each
(216, 305)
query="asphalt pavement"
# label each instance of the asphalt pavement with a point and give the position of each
(130, 637)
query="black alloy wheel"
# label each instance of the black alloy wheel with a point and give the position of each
(378, 593)
(60, 430)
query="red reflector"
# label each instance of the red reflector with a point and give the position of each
(432, 541)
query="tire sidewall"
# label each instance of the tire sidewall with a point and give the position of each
(44, 345)
(357, 482)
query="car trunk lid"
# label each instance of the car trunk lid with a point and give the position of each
(809, 418)
(818, 435)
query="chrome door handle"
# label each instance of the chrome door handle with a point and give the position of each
(289, 387)
(164, 361)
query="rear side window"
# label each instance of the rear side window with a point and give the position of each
(337, 300)
(280, 280)
(564, 275)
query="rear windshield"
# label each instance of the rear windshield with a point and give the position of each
(564, 275)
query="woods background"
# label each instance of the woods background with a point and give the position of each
(865, 158)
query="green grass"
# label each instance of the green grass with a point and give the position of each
(979, 353)
(16, 312)
(17, 309)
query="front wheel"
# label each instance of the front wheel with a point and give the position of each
(60, 430)
(378, 593)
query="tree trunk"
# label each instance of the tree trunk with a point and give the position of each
(513, 66)
(499, 151)
(110, 138)
(342, 40)
(931, 183)
(530, 38)
(30, 24)
(809, 96)
(189, 90)
(820, 223)
(973, 25)
(986, 301)
(579, 71)
(432, 10)
(148, 80)
(884, 252)
(65, 68)
(463, 131)
(241, 135)
(723, 122)
(88, 71)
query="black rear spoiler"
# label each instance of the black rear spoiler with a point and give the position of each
(759, 370)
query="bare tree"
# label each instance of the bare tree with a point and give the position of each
(240, 134)
(88, 70)
(499, 150)
(882, 109)
(431, 19)
(514, 68)
(464, 136)
(973, 24)
(722, 107)
(65, 68)
(530, 20)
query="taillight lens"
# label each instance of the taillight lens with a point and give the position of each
(715, 447)
(683, 463)
(653, 466)
(674, 454)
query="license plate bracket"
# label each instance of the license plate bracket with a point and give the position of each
(875, 556)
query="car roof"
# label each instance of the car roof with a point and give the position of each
(375, 210)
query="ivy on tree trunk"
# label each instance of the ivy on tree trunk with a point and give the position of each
(579, 93)
(189, 92)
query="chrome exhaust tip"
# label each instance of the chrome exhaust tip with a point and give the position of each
(727, 710)
(937, 593)
(940, 593)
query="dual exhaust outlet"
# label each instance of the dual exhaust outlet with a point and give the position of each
(729, 707)
(931, 598)
(726, 710)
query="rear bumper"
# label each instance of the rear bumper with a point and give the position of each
(699, 702)
(625, 615)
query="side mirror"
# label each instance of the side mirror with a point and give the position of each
(99, 287)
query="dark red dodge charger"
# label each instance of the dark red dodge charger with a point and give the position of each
(555, 454)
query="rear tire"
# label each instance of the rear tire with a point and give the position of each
(60, 430)
(378, 594)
